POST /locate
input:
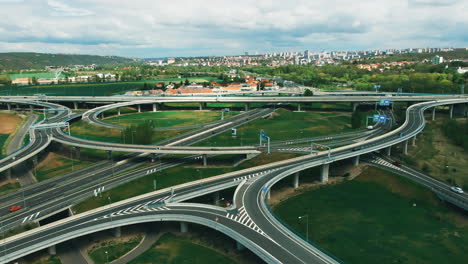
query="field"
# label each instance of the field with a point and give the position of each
(169, 118)
(380, 218)
(285, 125)
(89, 89)
(435, 151)
(172, 249)
(174, 176)
(38, 75)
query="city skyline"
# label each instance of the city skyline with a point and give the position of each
(210, 28)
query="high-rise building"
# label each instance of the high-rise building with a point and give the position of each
(437, 59)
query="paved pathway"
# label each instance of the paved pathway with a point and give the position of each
(150, 238)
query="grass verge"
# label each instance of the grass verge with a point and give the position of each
(8, 187)
(55, 165)
(115, 249)
(171, 248)
(379, 218)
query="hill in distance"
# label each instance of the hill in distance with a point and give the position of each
(30, 60)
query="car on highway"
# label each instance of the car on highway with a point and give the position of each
(456, 189)
(14, 208)
(357, 148)
(396, 163)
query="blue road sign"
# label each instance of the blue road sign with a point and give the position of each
(377, 86)
(264, 135)
(375, 118)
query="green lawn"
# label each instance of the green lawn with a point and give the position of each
(380, 218)
(169, 118)
(171, 177)
(114, 248)
(172, 249)
(285, 125)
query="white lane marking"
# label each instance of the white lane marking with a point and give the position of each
(243, 218)
(30, 217)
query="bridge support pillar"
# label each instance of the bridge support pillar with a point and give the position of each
(216, 198)
(183, 227)
(239, 246)
(8, 106)
(153, 157)
(117, 232)
(139, 108)
(298, 107)
(204, 159)
(354, 105)
(75, 105)
(413, 141)
(324, 172)
(247, 106)
(34, 160)
(405, 147)
(433, 113)
(155, 107)
(77, 152)
(356, 160)
(8, 174)
(388, 151)
(296, 180)
(31, 108)
(109, 154)
(118, 110)
(52, 250)
(200, 106)
(451, 111)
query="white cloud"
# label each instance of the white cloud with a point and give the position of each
(61, 9)
(205, 27)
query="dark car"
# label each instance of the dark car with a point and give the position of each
(396, 163)
(356, 148)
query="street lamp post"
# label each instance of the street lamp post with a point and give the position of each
(110, 210)
(307, 225)
(22, 192)
(107, 257)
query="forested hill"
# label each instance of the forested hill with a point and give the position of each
(29, 60)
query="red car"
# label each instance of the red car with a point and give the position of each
(14, 208)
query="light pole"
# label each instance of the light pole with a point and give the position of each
(110, 209)
(307, 225)
(22, 192)
(107, 257)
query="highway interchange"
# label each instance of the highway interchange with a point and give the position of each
(249, 222)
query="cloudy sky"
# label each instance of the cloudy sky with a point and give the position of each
(160, 28)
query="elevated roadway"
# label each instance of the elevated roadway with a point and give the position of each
(252, 198)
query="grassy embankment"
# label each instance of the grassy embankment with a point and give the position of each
(56, 164)
(285, 125)
(434, 152)
(173, 249)
(114, 248)
(163, 119)
(379, 218)
(174, 176)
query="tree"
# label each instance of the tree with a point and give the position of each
(187, 82)
(308, 92)
(356, 118)
(138, 134)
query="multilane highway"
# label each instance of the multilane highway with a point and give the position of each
(263, 234)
